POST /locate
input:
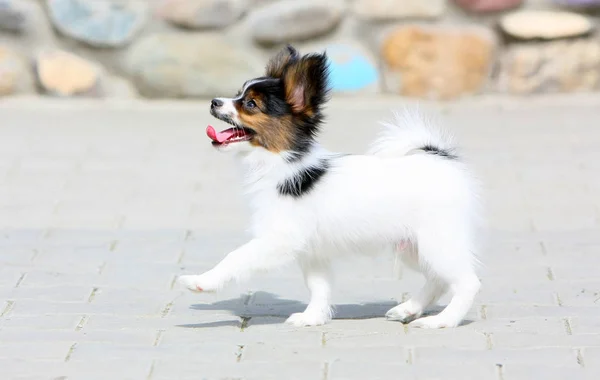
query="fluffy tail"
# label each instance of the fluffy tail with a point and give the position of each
(411, 132)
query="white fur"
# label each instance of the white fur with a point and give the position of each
(228, 109)
(423, 206)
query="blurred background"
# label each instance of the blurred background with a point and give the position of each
(434, 49)
(107, 195)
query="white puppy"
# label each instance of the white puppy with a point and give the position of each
(411, 193)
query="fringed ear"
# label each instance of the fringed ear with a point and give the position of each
(278, 64)
(306, 83)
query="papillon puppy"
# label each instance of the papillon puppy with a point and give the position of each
(411, 194)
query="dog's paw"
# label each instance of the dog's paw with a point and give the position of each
(197, 284)
(191, 283)
(405, 313)
(307, 319)
(433, 322)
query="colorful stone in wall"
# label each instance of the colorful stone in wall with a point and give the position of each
(106, 23)
(14, 73)
(292, 20)
(62, 73)
(352, 70)
(545, 24)
(381, 10)
(12, 18)
(190, 65)
(200, 14)
(483, 6)
(437, 62)
(554, 66)
(115, 87)
(578, 3)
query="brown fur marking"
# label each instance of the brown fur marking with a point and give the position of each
(297, 87)
(273, 134)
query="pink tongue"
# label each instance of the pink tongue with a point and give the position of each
(218, 136)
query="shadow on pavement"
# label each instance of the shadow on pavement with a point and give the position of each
(264, 308)
(264, 304)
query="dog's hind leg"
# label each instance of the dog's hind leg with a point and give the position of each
(464, 293)
(318, 278)
(447, 256)
(416, 305)
(412, 309)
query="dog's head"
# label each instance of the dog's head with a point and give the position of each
(280, 112)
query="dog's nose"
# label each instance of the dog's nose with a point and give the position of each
(216, 103)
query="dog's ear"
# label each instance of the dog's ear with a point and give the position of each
(278, 64)
(306, 83)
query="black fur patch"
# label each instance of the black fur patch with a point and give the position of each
(304, 181)
(431, 149)
(274, 96)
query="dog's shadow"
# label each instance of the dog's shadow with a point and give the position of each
(268, 308)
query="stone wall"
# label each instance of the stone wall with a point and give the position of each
(432, 49)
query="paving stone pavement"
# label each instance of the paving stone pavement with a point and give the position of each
(102, 205)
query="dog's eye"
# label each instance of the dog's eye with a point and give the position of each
(250, 104)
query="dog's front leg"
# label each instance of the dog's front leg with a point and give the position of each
(260, 254)
(318, 278)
